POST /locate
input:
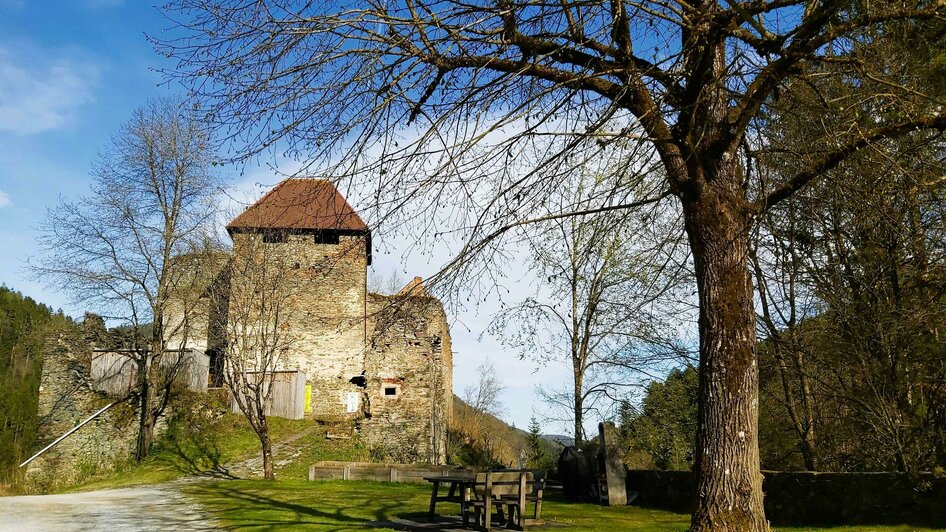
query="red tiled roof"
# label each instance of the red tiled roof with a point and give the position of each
(300, 203)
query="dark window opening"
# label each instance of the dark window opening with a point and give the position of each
(326, 237)
(359, 380)
(275, 237)
(390, 391)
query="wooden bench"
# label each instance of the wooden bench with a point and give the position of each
(512, 490)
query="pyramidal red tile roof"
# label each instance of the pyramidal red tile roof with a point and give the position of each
(302, 204)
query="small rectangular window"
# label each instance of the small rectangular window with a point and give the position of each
(275, 237)
(390, 391)
(326, 237)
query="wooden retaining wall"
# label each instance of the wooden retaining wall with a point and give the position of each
(334, 470)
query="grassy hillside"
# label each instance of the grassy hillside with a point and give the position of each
(207, 443)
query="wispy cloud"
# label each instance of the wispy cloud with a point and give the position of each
(4, 199)
(41, 91)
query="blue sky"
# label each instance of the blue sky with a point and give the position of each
(71, 72)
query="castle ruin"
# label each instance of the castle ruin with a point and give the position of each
(380, 365)
(371, 365)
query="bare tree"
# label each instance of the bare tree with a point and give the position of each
(606, 288)
(786, 300)
(507, 99)
(259, 306)
(484, 395)
(152, 200)
(484, 398)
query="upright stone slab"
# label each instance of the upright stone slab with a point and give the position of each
(614, 472)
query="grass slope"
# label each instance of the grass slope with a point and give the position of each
(207, 449)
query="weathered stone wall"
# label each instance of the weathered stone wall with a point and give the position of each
(327, 286)
(350, 345)
(409, 379)
(196, 312)
(66, 399)
(803, 498)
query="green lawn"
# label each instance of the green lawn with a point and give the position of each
(339, 505)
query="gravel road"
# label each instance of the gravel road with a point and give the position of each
(157, 507)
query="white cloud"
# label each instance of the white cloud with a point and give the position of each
(4, 199)
(40, 91)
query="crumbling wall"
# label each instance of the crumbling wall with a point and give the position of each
(66, 398)
(408, 379)
(196, 312)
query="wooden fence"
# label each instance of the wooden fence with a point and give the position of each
(328, 470)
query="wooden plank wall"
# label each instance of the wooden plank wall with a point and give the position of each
(113, 372)
(288, 396)
(333, 470)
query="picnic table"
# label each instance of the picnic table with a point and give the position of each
(480, 493)
(460, 486)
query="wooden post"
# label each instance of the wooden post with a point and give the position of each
(614, 474)
(312, 472)
(346, 472)
(434, 493)
(488, 502)
(393, 474)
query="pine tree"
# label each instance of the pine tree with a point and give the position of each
(537, 456)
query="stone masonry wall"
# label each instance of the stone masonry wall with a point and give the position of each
(198, 284)
(805, 498)
(65, 400)
(328, 284)
(409, 379)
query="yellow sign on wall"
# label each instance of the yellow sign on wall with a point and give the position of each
(308, 398)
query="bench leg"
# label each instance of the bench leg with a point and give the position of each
(433, 501)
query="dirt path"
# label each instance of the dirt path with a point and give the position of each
(284, 452)
(157, 507)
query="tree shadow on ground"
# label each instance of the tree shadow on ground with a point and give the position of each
(252, 513)
(195, 456)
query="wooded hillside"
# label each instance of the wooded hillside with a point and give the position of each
(481, 439)
(23, 324)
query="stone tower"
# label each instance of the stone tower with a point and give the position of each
(316, 233)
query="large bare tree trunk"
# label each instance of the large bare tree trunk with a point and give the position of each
(145, 419)
(729, 480)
